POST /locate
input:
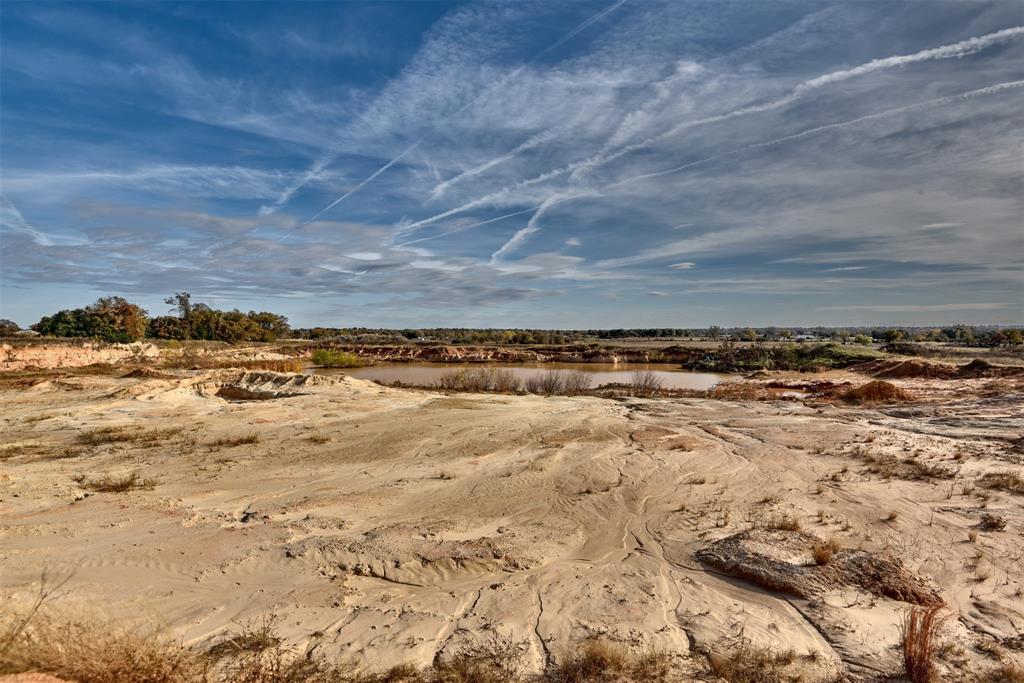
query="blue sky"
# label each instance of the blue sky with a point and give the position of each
(529, 164)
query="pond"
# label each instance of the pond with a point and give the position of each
(425, 374)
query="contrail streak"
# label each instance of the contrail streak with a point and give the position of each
(568, 36)
(668, 250)
(534, 141)
(467, 227)
(957, 50)
(960, 49)
(531, 227)
(938, 102)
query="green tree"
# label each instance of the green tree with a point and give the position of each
(112, 319)
(894, 335)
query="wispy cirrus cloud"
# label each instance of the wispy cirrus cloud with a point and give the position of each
(561, 153)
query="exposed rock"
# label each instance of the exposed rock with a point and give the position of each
(71, 354)
(783, 561)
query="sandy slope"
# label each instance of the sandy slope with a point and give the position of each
(390, 526)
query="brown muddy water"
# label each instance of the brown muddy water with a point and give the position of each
(426, 374)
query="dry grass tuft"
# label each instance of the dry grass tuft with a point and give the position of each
(749, 664)
(230, 442)
(918, 634)
(113, 484)
(127, 433)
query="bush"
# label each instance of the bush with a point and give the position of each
(480, 380)
(646, 383)
(332, 358)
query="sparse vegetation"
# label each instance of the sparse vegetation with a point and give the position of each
(749, 664)
(1012, 482)
(127, 433)
(333, 358)
(91, 651)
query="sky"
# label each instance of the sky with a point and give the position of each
(622, 163)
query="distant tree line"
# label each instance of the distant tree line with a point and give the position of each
(115, 319)
(964, 335)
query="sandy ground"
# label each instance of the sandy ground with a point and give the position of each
(391, 526)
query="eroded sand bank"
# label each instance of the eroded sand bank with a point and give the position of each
(391, 526)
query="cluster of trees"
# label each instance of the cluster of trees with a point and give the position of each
(114, 319)
(453, 335)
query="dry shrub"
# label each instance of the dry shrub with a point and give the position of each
(918, 634)
(1006, 481)
(824, 550)
(992, 522)
(876, 391)
(546, 383)
(88, 651)
(111, 484)
(576, 382)
(781, 522)
(646, 383)
(596, 660)
(1008, 672)
(496, 659)
(480, 380)
(748, 664)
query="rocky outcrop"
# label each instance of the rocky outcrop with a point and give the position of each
(785, 561)
(71, 355)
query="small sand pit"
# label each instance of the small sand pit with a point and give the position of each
(877, 391)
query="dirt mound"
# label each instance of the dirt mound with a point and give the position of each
(905, 369)
(982, 368)
(876, 391)
(146, 373)
(785, 561)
